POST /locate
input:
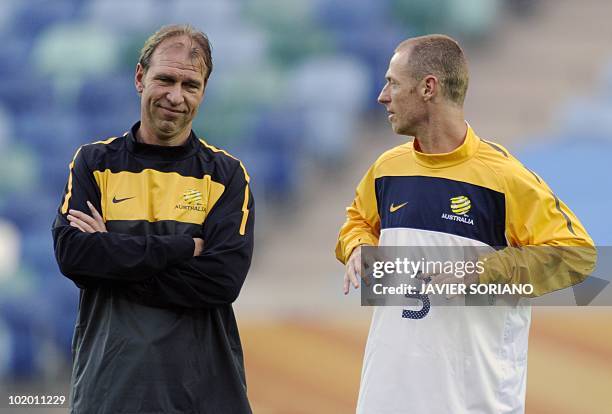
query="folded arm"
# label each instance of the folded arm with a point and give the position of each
(89, 258)
(216, 276)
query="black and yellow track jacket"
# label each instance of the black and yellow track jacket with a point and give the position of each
(156, 332)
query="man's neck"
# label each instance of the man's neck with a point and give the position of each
(442, 134)
(146, 136)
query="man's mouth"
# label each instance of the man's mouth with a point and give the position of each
(174, 111)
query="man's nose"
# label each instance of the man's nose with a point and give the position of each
(175, 95)
(383, 97)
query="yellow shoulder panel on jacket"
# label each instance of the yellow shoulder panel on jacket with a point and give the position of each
(106, 141)
(393, 161)
(245, 210)
(68, 194)
(535, 215)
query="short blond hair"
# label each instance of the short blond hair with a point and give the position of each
(203, 51)
(441, 56)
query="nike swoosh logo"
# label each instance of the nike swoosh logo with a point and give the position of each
(393, 208)
(119, 200)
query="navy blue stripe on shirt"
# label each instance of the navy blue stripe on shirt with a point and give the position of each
(442, 205)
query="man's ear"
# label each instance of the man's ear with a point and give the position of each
(430, 87)
(139, 78)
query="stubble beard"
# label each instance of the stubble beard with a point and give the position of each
(168, 129)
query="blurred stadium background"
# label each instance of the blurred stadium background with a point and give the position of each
(293, 94)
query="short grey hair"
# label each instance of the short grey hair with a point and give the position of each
(441, 56)
(202, 51)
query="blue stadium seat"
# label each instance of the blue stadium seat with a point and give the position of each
(14, 55)
(102, 126)
(68, 52)
(272, 153)
(37, 245)
(53, 134)
(236, 47)
(127, 16)
(112, 94)
(18, 173)
(22, 93)
(574, 167)
(212, 15)
(7, 128)
(374, 46)
(22, 346)
(32, 17)
(341, 16)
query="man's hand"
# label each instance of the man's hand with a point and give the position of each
(85, 223)
(353, 267)
(351, 275)
(199, 246)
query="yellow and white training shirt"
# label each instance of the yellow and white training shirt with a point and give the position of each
(468, 359)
